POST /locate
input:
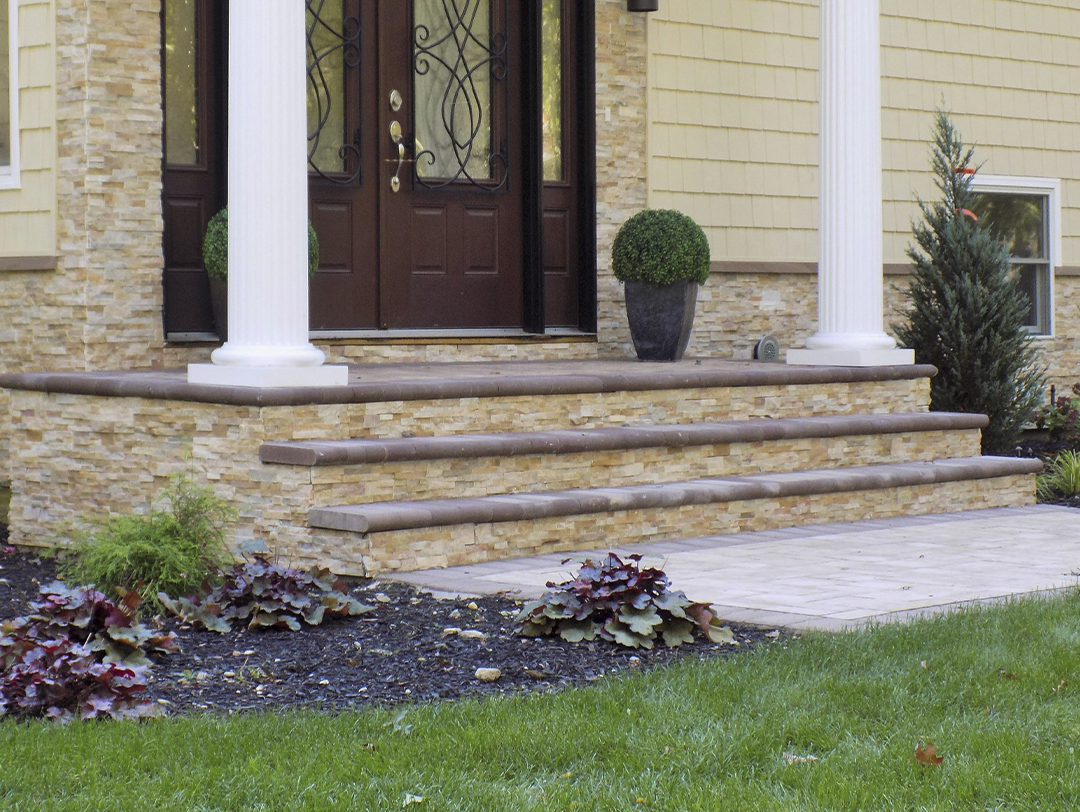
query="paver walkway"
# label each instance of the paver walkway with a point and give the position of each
(834, 576)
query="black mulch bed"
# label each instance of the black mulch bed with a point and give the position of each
(396, 654)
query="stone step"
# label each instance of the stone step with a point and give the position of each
(391, 516)
(569, 441)
(460, 465)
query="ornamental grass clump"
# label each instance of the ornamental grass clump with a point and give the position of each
(1061, 479)
(173, 550)
(619, 601)
(264, 595)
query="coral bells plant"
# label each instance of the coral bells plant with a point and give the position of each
(619, 601)
(78, 654)
(262, 594)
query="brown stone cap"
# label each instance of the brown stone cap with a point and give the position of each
(567, 441)
(384, 516)
(375, 383)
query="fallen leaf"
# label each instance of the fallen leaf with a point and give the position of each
(472, 605)
(927, 754)
(413, 799)
(382, 597)
(1060, 686)
(792, 758)
(775, 633)
(532, 672)
(1007, 674)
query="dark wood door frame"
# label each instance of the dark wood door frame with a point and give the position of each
(191, 316)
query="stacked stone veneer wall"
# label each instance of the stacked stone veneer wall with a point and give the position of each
(101, 307)
(81, 456)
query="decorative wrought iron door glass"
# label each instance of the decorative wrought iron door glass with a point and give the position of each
(333, 39)
(458, 57)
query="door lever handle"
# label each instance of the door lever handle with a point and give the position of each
(395, 136)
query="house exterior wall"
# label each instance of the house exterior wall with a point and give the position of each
(91, 196)
(732, 141)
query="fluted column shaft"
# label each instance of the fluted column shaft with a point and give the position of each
(268, 284)
(850, 288)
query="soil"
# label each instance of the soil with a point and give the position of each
(399, 653)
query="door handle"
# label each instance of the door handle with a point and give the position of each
(395, 136)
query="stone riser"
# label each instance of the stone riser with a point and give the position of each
(405, 550)
(466, 477)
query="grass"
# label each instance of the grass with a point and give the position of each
(997, 690)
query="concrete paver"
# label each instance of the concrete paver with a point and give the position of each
(833, 576)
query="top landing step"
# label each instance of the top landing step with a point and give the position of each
(374, 383)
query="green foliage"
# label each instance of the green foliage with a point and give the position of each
(216, 247)
(1061, 477)
(1061, 419)
(619, 602)
(659, 247)
(265, 595)
(78, 654)
(965, 314)
(171, 551)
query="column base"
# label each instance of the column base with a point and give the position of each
(851, 357)
(253, 376)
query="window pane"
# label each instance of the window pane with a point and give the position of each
(553, 97)
(181, 83)
(5, 88)
(1019, 221)
(452, 72)
(326, 84)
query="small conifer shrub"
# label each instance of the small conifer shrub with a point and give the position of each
(965, 313)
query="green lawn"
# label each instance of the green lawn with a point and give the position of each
(996, 690)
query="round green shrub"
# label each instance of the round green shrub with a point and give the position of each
(659, 247)
(215, 249)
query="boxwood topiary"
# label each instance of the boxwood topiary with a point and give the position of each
(216, 247)
(659, 247)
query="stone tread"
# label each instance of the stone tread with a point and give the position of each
(389, 516)
(567, 441)
(378, 383)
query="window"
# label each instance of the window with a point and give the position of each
(1025, 214)
(9, 95)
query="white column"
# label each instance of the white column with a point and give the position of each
(268, 281)
(850, 289)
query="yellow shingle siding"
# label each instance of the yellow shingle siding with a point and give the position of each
(732, 136)
(733, 116)
(28, 213)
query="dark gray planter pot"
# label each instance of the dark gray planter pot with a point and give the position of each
(643, 5)
(219, 304)
(660, 318)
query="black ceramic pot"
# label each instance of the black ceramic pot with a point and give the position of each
(642, 5)
(219, 305)
(660, 318)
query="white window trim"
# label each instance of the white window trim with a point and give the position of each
(1049, 188)
(9, 175)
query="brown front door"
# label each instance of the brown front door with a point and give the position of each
(415, 182)
(450, 142)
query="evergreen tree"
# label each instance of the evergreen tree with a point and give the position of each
(965, 314)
